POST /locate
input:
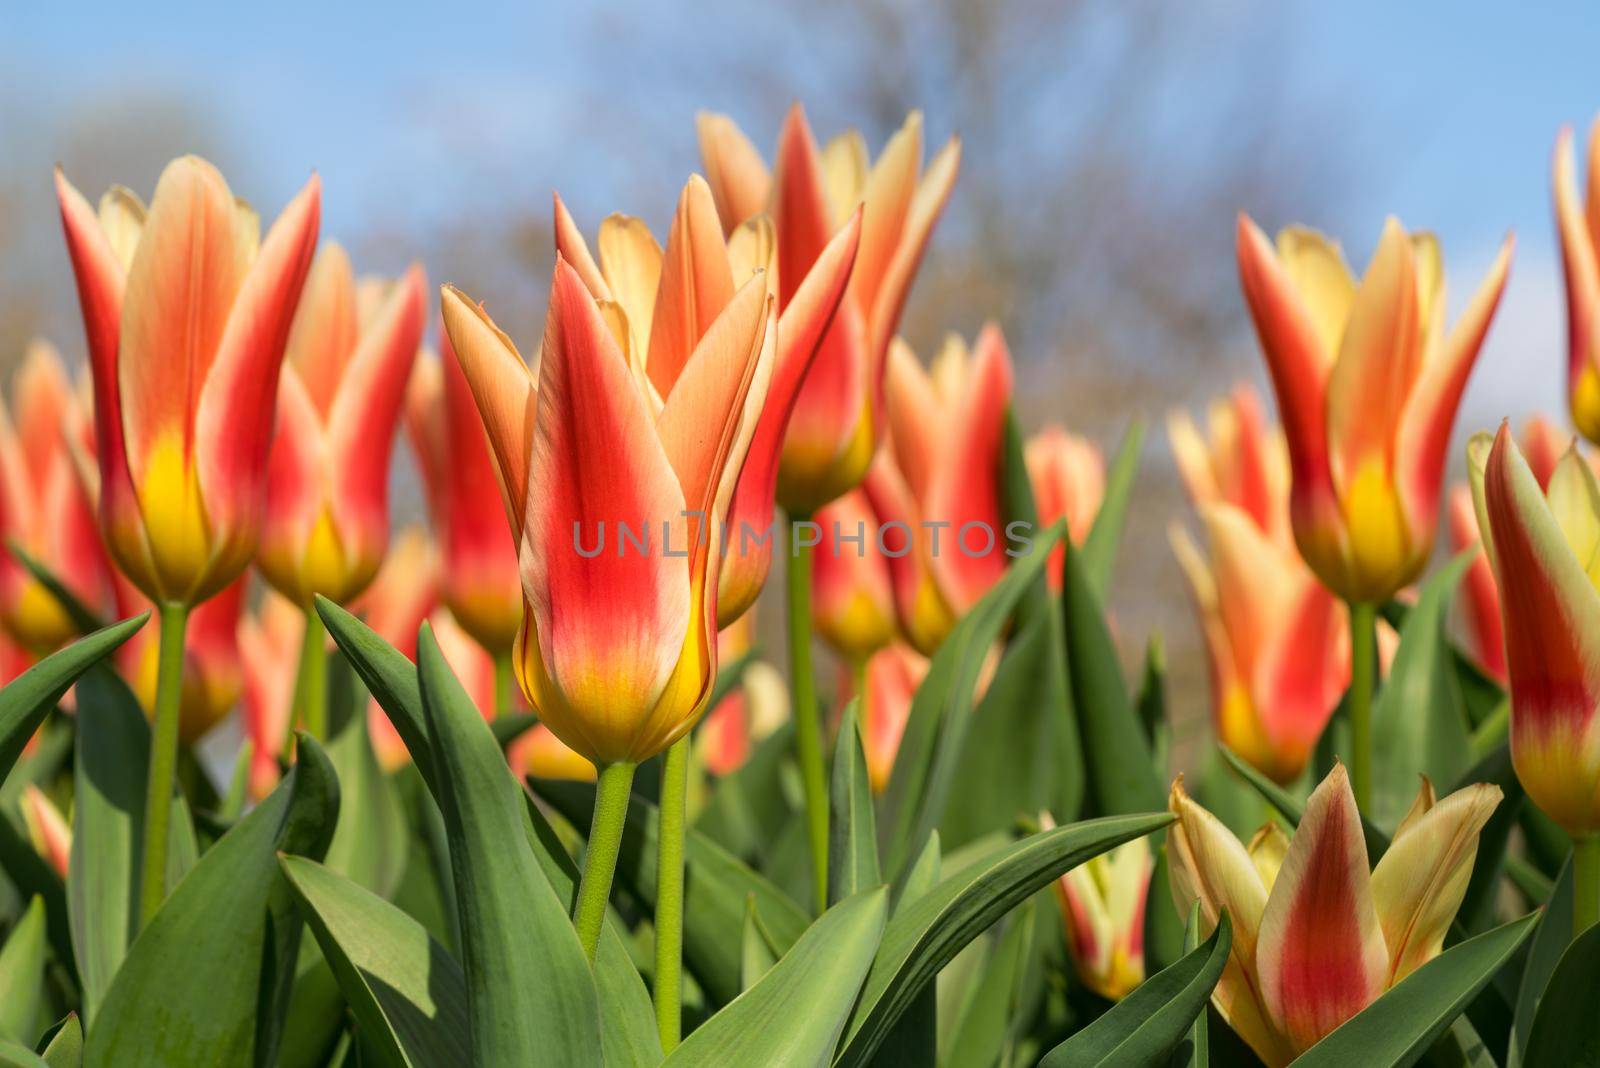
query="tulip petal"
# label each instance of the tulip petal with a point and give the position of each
(887, 195)
(800, 207)
(296, 465)
(325, 331)
(1419, 883)
(1321, 958)
(610, 628)
(852, 599)
(1316, 267)
(122, 215)
(1551, 616)
(1267, 848)
(631, 261)
(1481, 603)
(1582, 275)
(737, 175)
(504, 390)
(927, 204)
(696, 284)
(917, 419)
(845, 165)
(571, 247)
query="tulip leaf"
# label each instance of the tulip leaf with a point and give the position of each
(1399, 1027)
(22, 975)
(756, 955)
(389, 676)
(1477, 911)
(206, 981)
(63, 1043)
(1100, 545)
(27, 700)
(1196, 1052)
(372, 839)
(1149, 1024)
(794, 1013)
(32, 876)
(716, 884)
(16, 1055)
(1419, 722)
(852, 837)
(1549, 944)
(929, 758)
(928, 931)
(1122, 776)
(408, 993)
(1566, 1028)
(748, 809)
(509, 728)
(531, 993)
(989, 1020)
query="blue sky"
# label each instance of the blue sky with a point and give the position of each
(1447, 110)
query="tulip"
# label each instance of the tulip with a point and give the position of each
(1576, 228)
(1276, 638)
(1368, 381)
(44, 507)
(213, 672)
(888, 683)
(269, 643)
(48, 830)
(402, 595)
(755, 708)
(852, 598)
(478, 579)
(1102, 910)
(1067, 475)
(617, 651)
(1541, 544)
(837, 418)
(1542, 447)
(1316, 937)
(938, 482)
(186, 311)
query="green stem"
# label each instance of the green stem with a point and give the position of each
(600, 862)
(669, 892)
(1585, 883)
(163, 758)
(807, 723)
(311, 684)
(1363, 674)
(502, 684)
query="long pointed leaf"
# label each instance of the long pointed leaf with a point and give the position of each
(1105, 535)
(852, 836)
(22, 975)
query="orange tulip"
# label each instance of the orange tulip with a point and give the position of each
(48, 830)
(836, 423)
(1578, 229)
(1102, 910)
(44, 506)
(938, 482)
(660, 305)
(1067, 475)
(187, 312)
(891, 677)
(1316, 935)
(269, 644)
(344, 381)
(1277, 639)
(1368, 381)
(478, 578)
(617, 651)
(852, 603)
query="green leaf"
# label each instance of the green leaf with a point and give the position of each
(27, 699)
(408, 994)
(82, 616)
(927, 765)
(1163, 927)
(716, 884)
(531, 993)
(16, 1055)
(205, 982)
(927, 932)
(64, 1046)
(1105, 535)
(33, 877)
(1151, 701)
(22, 975)
(1196, 1050)
(509, 728)
(1566, 1028)
(1145, 1027)
(389, 677)
(748, 809)
(1477, 911)
(794, 1014)
(1544, 955)
(1122, 775)
(924, 873)
(852, 836)
(987, 1024)
(373, 836)
(1398, 1028)
(756, 955)
(1419, 723)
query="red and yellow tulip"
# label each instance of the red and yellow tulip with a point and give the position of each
(343, 385)
(269, 644)
(1067, 475)
(1368, 381)
(890, 678)
(478, 579)
(45, 507)
(661, 303)
(48, 830)
(852, 597)
(1102, 911)
(1578, 229)
(837, 418)
(186, 310)
(938, 481)
(1316, 936)
(1277, 639)
(213, 671)
(1542, 546)
(617, 651)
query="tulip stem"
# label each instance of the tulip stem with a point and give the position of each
(311, 684)
(1363, 657)
(613, 785)
(1585, 883)
(807, 722)
(502, 684)
(173, 618)
(669, 892)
